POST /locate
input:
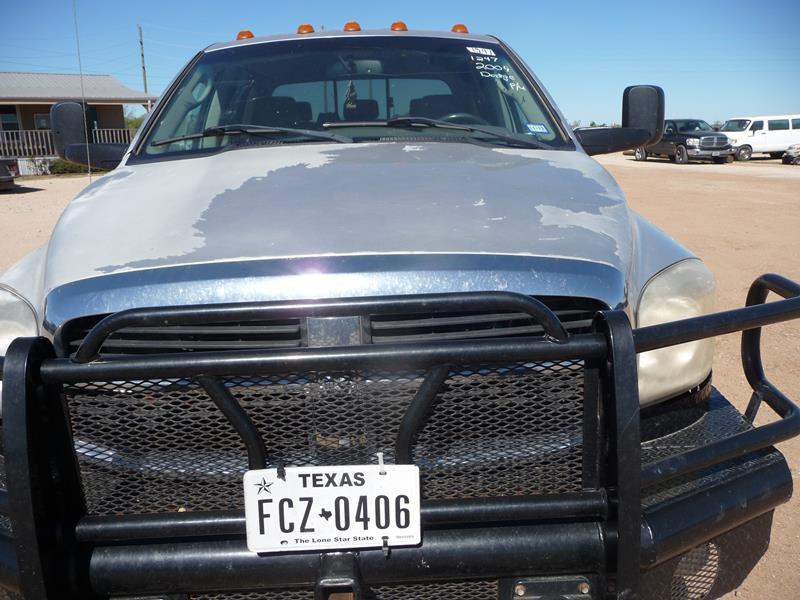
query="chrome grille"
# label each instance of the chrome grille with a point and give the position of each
(576, 314)
(287, 333)
(713, 141)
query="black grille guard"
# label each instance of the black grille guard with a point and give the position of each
(58, 551)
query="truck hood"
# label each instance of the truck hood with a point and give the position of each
(318, 200)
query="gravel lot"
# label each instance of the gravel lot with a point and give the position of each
(741, 218)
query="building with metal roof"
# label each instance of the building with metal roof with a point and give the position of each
(26, 98)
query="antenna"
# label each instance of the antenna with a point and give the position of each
(144, 69)
(83, 93)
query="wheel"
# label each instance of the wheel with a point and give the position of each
(640, 153)
(744, 153)
(681, 155)
(775, 154)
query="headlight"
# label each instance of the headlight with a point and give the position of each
(731, 141)
(684, 290)
(692, 141)
(17, 318)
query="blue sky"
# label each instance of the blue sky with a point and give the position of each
(714, 59)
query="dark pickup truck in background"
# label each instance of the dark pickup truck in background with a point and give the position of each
(689, 139)
(8, 170)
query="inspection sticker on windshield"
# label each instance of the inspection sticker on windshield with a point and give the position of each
(537, 128)
(331, 508)
(484, 51)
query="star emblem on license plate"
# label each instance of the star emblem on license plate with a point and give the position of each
(263, 486)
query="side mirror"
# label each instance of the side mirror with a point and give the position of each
(69, 138)
(642, 123)
(102, 156)
(643, 108)
(67, 125)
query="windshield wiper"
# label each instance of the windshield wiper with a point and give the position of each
(427, 122)
(254, 130)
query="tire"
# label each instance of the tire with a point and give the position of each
(775, 154)
(640, 153)
(681, 155)
(744, 153)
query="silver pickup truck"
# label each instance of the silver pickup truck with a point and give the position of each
(357, 316)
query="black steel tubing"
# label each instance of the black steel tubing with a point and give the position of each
(751, 339)
(622, 404)
(230, 524)
(9, 570)
(731, 321)
(220, 565)
(247, 362)
(675, 526)
(419, 409)
(736, 445)
(545, 507)
(228, 405)
(189, 315)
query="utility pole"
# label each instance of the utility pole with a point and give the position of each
(144, 69)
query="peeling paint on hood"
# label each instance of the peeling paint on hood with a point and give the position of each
(342, 200)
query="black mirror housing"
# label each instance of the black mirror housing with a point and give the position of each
(603, 140)
(101, 156)
(68, 126)
(70, 143)
(643, 108)
(642, 123)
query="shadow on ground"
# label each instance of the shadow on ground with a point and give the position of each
(21, 189)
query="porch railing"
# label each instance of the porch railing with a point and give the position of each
(111, 136)
(27, 143)
(38, 143)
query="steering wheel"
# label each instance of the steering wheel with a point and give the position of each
(464, 118)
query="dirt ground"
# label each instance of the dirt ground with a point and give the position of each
(741, 218)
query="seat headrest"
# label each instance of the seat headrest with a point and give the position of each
(435, 106)
(364, 110)
(303, 111)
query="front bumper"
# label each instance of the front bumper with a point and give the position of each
(700, 153)
(649, 513)
(790, 158)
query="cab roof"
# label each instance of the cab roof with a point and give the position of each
(337, 33)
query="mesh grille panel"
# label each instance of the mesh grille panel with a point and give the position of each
(273, 595)
(162, 446)
(461, 590)
(696, 573)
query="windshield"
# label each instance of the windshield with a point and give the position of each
(735, 125)
(692, 125)
(308, 85)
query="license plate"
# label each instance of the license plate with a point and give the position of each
(332, 508)
(715, 154)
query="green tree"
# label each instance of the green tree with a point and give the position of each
(134, 118)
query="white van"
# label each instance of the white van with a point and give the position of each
(767, 134)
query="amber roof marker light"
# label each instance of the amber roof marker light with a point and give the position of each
(352, 26)
(305, 28)
(244, 34)
(459, 28)
(399, 26)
